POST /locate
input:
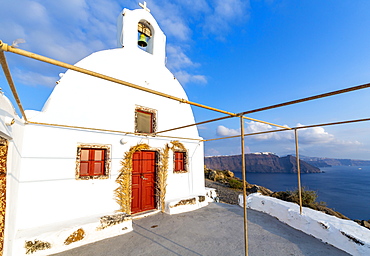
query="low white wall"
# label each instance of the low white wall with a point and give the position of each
(346, 235)
(57, 234)
(187, 204)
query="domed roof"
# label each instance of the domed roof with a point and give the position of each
(82, 100)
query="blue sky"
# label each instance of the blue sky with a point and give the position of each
(230, 54)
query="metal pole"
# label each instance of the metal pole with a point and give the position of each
(248, 118)
(107, 130)
(244, 187)
(300, 127)
(6, 47)
(8, 76)
(298, 170)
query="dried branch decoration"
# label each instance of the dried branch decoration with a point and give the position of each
(185, 202)
(177, 145)
(33, 246)
(162, 174)
(123, 192)
(111, 220)
(78, 235)
(3, 159)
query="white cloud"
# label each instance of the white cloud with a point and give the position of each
(195, 6)
(214, 17)
(255, 127)
(66, 32)
(77, 28)
(184, 78)
(314, 135)
(34, 79)
(318, 135)
(202, 127)
(224, 131)
(224, 14)
(172, 19)
(316, 141)
(309, 136)
(177, 29)
(212, 152)
(178, 61)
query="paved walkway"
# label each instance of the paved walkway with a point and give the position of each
(213, 230)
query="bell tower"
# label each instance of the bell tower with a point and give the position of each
(139, 31)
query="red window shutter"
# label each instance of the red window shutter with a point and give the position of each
(92, 162)
(97, 169)
(84, 169)
(84, 162)
(179, 161)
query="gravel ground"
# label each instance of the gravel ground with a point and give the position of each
(216, 229)
(226, 194)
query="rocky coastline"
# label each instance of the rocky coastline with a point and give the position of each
(229, 188)
(261, 163)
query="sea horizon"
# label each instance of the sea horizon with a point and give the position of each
(343, 188)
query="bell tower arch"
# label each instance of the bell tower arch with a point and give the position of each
(145, 34)
(139, 31)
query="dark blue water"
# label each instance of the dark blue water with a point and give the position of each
(346, 189)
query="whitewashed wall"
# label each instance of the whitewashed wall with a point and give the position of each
(49, 192)
(14, 134)
(44, 193)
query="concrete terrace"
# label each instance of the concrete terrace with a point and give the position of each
(213, 230)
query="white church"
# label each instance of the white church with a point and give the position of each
(82, 168)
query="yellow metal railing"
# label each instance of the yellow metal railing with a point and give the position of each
(5, 47)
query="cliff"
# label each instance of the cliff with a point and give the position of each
(265, 163)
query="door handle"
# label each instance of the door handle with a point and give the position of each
(142, 176)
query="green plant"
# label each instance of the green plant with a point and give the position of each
(308, 196)
(234, 183)
(322, 203)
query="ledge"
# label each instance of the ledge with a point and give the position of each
(346, 235)
(56, 234)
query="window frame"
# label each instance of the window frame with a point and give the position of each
(153, 119)
(92, 149)
(183, 160)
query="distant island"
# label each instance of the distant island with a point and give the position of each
(328, 162)
(260, 163)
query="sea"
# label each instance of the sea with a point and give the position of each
(345, 189)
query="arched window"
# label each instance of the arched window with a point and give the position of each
(145, 36)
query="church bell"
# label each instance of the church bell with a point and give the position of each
(142, 41)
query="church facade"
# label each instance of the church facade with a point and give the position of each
(91, 160)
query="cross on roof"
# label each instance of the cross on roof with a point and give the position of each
(144, 6)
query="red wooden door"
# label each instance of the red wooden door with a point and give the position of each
(143, 181)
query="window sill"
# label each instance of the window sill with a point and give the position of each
(180, 171)
(100, 177)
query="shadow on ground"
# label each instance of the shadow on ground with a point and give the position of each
(213, 230)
